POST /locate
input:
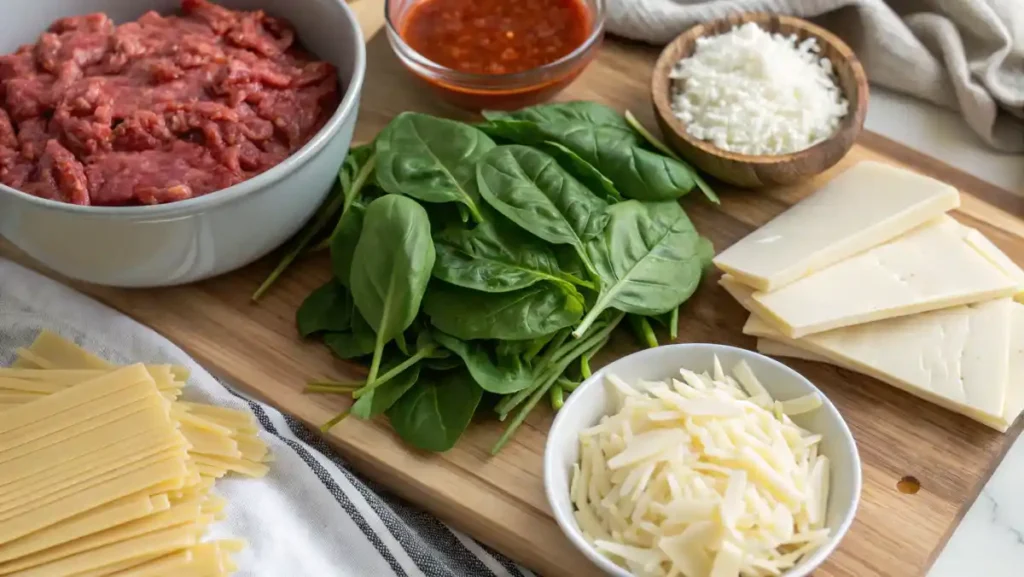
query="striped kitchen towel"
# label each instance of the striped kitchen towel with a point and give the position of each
(311, 516)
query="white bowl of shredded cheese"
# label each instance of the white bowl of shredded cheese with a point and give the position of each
(701, 460)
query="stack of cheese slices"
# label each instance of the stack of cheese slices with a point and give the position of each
(869, 273)
(103, 471)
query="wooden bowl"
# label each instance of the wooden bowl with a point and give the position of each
(748, 170)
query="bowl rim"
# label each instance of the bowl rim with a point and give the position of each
(594, 383)
(669, 56)
(279, 172)
(497, 82)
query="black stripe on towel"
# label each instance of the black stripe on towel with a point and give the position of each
(331, 486)
(451, 559)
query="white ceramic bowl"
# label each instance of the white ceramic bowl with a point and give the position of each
(191, 240)
(590, 402)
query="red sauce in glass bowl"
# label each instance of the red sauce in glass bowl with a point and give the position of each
(496, 36)
(497, 54)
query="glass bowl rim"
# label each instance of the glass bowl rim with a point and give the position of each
(497, 81)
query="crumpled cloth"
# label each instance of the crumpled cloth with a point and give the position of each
(967, 55)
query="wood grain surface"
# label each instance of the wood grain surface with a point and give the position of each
(500, 500)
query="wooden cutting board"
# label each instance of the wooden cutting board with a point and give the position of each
(500, 500)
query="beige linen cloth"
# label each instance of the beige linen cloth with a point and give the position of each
(967, 55)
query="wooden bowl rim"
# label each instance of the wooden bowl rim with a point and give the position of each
(670, 55)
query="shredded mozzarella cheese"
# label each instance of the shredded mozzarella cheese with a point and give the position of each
(752, 92)
(694, 478)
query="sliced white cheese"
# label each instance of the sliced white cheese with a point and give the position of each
(867, 205)
(1014, 403)
(776, 349)
(989, 250)
(957, 358)
(929, 268)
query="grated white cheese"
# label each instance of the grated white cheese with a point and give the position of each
(694, 478)
(752, 92)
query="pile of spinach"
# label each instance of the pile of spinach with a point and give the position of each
(485, 265)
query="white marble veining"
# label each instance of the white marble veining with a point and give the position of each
(989, 542)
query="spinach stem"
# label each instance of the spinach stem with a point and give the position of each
(644, 332)
(557, 396)
(342, 201)
(588, 320)
(395, 371)
(560, 361)
(585, 371)
(523, 413)
(585, 366)
(536, 347)
(304, 238)
(662, 148)
(337, 419)
(330, 388)
(673, 324)
(577, 348)
(579, 282)
(357, 185)
(551, 350)
(568, 385)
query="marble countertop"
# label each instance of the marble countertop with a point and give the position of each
(989, 541)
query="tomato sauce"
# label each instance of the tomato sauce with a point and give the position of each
(496, 36)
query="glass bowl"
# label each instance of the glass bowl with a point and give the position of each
(495, 91)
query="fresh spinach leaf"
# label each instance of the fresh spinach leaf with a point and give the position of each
(583, 171)
(327, 309)
(529, 188)
(649, 259)
(495, 256)
(580, 110)
(358, 341)
(528, 313)
(445, 364)
(431, 159)
(382, 398)
(495, 373)
(344, 241)
(664, 149)
(437, 410)
(614, 150)
(391, 268)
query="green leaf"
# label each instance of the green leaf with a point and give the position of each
(529, 188)
(437, 410)
(664, 149)
(445, 364)
(344, 240)
(649, 259)
(431, 159)
(382, 398)
(391, 268)
(327, 309)
(524, 314)
(612, 148)
(581, 110)
(495, 256)
(585, 172)
(501, 374)
(356, 342)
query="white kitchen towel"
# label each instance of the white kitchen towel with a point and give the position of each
(311, 516)
(967, 55)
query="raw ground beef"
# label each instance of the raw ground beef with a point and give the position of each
(157, 110)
